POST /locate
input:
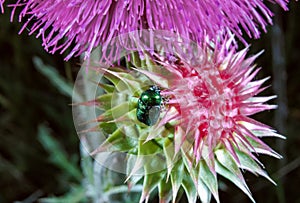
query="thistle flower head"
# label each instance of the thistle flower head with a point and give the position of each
(81, 25)
(214, 98)
(203, 129)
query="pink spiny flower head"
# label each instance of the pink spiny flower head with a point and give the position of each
(200, 129)
(81, 25)
(214, 97)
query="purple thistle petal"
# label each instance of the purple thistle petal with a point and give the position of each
(1, 5)
(90, 23)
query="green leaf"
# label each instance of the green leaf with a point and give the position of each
(124, 189)
(128, 119)
(150, 147)
(115, 112)
(77, 194)
(105, 101)
(135, 59)
(110, 75)
(134, 169)
(191, 167)
(132, 131)
(177, 177)
(152, 155)
(108, 128)
(111, 100)
(262, 148)
(151, 181)
(118, 141)
(233, 178)
(123, 81)
(157, 132)
(187, 158)
(249, 164)
(189, 187)
(165, 191)
(157, 78)
(86, 165)
(203, 191)
(107, 88)
(149, 63)
(228, 162)
(209, 179)
(168, 147)
(55, 78)
(57, 154)
(119, 98)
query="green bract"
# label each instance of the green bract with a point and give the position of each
(132, 122)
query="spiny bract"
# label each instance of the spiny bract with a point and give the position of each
(203, 130)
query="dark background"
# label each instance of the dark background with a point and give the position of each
(29, 100)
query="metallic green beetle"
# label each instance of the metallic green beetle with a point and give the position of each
(149, 104)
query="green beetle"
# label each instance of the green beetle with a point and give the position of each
(149, 105)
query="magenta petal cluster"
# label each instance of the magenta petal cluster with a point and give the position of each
(81, 25)
(214, 97)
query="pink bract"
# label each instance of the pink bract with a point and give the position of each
(214, 95)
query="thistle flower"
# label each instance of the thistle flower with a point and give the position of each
(214, 98)
(203, 129)
(80, 25)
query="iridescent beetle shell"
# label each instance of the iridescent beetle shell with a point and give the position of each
(149, 105)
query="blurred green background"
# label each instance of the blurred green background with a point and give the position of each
(39, 148)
